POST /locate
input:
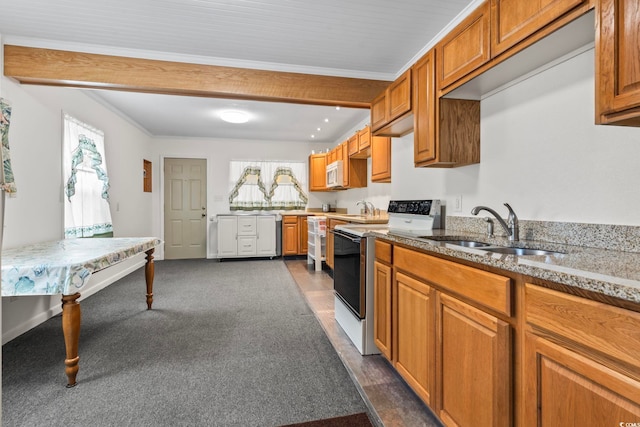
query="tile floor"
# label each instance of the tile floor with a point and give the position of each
(386, 394)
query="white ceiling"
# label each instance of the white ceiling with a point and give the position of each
(373, 39)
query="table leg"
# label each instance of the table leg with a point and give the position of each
(71, 329)
(148, 275)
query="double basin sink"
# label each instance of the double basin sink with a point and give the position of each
(507, 250)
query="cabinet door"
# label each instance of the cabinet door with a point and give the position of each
(617, 58)
(473, 366)
(424, 109)
(379, 111)
(266, 236)
(364, 139)
(465, 48)
(353, 145)
(380, 159)
(318, 172)
(290, 235)
(399, 96)
(382, 308)
(413, 329)
(227, 236)
(345, 164)
(514, 20)
(303, 237)
(566, 388)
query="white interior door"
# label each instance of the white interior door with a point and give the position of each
(185, 208)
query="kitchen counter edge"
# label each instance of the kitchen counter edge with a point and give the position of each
(612, 273)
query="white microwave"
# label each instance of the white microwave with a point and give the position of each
(334, 174)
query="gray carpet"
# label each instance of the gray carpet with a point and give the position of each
(227, 344)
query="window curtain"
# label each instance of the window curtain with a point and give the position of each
(267, 185)
(86, 207)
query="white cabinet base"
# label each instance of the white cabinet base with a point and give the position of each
(246, 236)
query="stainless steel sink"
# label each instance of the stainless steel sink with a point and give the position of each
(520, 251)
(466, 243)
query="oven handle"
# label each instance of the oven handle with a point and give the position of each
(354, 239)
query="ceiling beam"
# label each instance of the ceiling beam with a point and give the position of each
(30, 65)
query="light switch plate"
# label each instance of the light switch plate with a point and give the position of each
(457, 204)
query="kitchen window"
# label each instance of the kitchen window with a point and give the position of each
(86, 183)
(267, 185)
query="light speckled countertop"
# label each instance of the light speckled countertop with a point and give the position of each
(359, 219)
(609, 272)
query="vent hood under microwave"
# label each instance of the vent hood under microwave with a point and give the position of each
(334, 174)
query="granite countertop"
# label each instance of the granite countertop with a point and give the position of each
(609, 272)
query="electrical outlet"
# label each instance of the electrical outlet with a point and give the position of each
(457, 204)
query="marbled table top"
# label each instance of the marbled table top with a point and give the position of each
(64, 266)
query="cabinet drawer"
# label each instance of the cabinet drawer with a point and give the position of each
(384, 252)
(246, 225)
(611, 331)
(491, 290)
(290, 219)
(247, 245)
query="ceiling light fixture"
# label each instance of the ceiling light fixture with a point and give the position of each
(326, 120)
(338, 108)
(234, 116)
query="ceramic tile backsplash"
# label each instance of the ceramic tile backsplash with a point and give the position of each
(604, 236)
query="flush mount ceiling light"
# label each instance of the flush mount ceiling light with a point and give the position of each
(234, 116)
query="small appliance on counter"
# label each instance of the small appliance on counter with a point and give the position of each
(353, 279)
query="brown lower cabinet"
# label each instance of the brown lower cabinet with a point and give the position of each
(294, 235)
(581, 352)
(482, 347)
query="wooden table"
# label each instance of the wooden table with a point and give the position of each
(64, 267)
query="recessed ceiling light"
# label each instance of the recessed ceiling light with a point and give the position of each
(318, 129)
(326, 120)
(313, 136)
(234, 116)
(338, 108)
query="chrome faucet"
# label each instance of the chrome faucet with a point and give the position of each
(368, 207)
(511, 227)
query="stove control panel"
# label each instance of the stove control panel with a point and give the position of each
(415, 207)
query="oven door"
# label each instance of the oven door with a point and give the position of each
(349, 257)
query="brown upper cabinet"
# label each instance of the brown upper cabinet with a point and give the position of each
(391, 111)
(360, 144)
(498, 31)
(447, 131)
(353, 144)
(465, 48)
(318, 172)
(380, 159)
(364, 140)
(617, 62)
(513, 21)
